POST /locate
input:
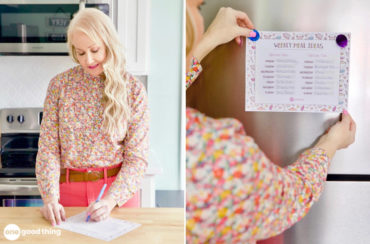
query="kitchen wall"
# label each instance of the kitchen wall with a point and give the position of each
(24, 79)
(164, 86)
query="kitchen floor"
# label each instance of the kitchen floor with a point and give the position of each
(169, 199)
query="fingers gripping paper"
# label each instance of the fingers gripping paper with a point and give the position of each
(297, 72)
(106, 230)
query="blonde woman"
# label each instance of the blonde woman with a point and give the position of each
(95, 126)
(234, 193)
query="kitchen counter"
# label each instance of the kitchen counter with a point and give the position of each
(158, 225)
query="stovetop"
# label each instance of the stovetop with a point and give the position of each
(17, 172)
(20, 120)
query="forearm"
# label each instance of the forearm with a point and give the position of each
(234, 181)
(47, 174)
(326, 145)
(302, 184)
(47, 166)
(111, 202)
(49, 199)
(135, 149)
(205, 46)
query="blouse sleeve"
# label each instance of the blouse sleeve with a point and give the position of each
(135, 149)
(235, 192)
(194, 71)
(48, 156)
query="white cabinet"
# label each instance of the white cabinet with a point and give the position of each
(133, 28)
(148, 186)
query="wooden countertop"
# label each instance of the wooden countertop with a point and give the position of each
(159, 225)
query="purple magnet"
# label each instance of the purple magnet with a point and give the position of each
(342, 40)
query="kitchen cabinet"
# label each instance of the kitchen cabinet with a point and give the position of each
(133, 29)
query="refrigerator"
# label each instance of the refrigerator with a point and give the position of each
(342, 214)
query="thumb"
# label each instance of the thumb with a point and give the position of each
(346, 118)
(63, 213)
(88, 209)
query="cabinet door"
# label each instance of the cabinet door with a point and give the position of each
(133, 28)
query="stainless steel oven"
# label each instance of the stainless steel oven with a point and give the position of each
(38, 27)
(20, 130)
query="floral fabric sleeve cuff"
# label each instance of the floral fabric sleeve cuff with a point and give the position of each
(321, 152)
(194, 71)
(313, 166)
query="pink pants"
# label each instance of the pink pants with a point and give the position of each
(81, 194)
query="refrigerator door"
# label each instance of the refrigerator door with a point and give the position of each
(340, 216)
(220, 90)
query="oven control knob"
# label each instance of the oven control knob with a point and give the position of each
(10, 118)
(21, 119)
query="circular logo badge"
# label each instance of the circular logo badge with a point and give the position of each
(12, 232)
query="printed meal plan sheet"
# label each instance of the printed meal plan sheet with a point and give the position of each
(105, 230)
(297, 72)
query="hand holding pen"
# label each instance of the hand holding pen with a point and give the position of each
(97, 200)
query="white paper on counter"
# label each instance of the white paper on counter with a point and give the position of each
(297, 72)
(105, 230)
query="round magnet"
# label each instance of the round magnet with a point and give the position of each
(342, 40)
(256, 37)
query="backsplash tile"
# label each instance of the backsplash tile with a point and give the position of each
(25, 79)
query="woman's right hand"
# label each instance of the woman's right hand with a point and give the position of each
(228, 24)
(340, 135)
(53, 211)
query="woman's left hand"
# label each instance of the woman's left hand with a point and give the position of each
(228, 24)
(101, 210)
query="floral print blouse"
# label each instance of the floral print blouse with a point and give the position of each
(234, 193)
(71, 135)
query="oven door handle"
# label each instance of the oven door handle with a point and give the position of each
(19, 190)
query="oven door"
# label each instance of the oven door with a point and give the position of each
(39, 26)
(19, 192)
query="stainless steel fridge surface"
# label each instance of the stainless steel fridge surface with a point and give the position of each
(289, 15)
(342, 214)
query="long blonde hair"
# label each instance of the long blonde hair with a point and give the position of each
(98, 26)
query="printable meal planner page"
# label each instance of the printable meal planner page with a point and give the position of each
(297, 72)
(105, 230)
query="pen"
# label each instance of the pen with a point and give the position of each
(98, 199)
